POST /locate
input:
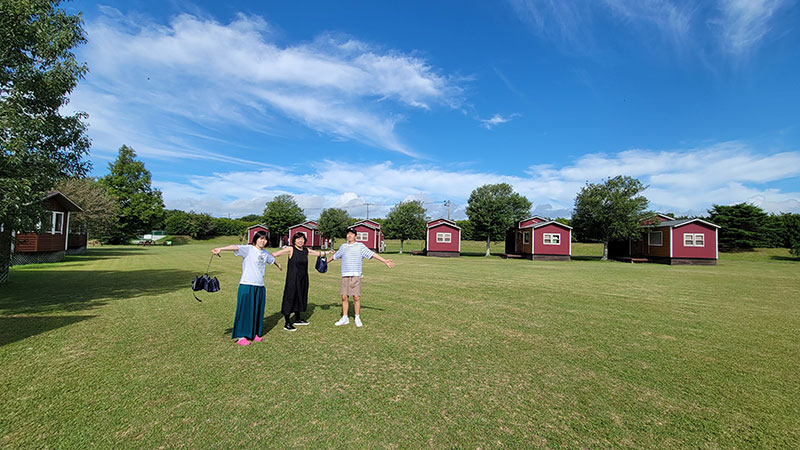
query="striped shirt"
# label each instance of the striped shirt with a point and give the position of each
(351, 255)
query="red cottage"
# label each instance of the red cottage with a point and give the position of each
(369, 233)
(260, 227)
(669, 241)
(53, 239)
(313, 237)
(540, 239)
(443, 238)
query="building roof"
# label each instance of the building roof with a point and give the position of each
(309, 225)
(444, 222)
(549, 222)
(367, 224)
(681, 222)
(260, 225)
(532, 217)
(63, 200)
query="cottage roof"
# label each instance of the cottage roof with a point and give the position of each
(532, 217)
(449, 222)
(367, 224)
(549, 222)
(63, 200)
(681, 222)
(260, 225)
(309, 225)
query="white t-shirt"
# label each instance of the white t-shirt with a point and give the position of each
(254, 261)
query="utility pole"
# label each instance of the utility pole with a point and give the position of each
(447, 203)
(368, 209)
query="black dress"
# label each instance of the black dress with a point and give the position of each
(295, 293)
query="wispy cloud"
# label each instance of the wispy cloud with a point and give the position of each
(735, 27)
(496, 119)
(215, 74)
(745, 23)
(682, 181)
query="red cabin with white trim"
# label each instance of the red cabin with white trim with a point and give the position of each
(443, 238)
(256, 228)
(310, 229)
(540, 239)
(369, 233)
(669, 241)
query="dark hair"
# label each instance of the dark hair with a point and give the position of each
(352, 230)
(298, 236)
(259, 234)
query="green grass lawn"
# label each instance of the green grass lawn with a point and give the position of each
(110, 349)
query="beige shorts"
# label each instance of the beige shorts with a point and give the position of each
(350, 286)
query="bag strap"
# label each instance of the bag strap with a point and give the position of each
(195, 297)
(209, 262)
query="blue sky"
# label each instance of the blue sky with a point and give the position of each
(347, 103)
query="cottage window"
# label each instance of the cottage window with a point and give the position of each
(552, 239)
(57, 225)
(362, 236)
(694, 240)
(526, 237)
(443, 238)
(655, 239)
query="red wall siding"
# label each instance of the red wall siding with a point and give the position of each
(253, 231)
(371, 241)
(455, 239)
(309, 235)
(541, 249)
(708, 251)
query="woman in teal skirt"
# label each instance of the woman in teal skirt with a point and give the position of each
(251, 297)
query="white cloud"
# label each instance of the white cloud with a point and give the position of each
(745, 23)
(681, 181)
(497, 119)
(147, 76)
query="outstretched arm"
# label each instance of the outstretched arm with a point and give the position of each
(231, 248)
(283, 251)
(380, 258)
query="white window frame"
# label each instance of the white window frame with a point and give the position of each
(693, 238)
(444, 238)
(551, 238)
(57, 218)
(362, 236)
(650, 234)
(526, 237)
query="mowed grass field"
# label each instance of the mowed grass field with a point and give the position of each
(110, 349)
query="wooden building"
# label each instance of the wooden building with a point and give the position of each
(443, 238)
(369, 233)
(540, 239)
(670, 241)
(311, 231)
(53, 239)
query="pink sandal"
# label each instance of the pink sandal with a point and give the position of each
(243, 341)
(257, 339)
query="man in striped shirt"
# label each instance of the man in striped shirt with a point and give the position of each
(352, 253)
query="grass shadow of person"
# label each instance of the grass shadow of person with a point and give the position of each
(17, 328)
(38, 290)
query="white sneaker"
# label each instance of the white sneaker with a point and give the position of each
(342, 321)
(358, 322)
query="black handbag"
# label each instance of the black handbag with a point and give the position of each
(205, 282)
(322, 264)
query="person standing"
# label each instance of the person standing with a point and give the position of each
(352, 253)
(295, 291)
(251, 297)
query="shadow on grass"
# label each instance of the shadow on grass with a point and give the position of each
(94, 254)
(17, 328)
(59, 290)
(587, 258)
(275, 319)
(785, 258)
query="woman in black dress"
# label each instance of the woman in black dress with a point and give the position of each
(295, 292)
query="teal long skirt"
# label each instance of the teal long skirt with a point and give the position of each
(249, 320)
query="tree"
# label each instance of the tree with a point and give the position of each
(177, 222)
(744, 226)
(252, 218)
(333, 223)
(281, 213)
(140, 206)
(493, 209)
(99, 216)
(406, 220)
(39, 145)
(609, 211)
(466, 230)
